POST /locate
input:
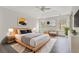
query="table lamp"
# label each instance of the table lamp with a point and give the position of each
(10, 31)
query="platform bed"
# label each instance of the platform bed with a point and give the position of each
(40, 41)
(33, 49)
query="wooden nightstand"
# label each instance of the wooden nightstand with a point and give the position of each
(9, 39)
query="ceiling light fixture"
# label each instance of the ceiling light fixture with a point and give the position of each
(43, 8)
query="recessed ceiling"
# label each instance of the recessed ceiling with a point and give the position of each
(33, 11)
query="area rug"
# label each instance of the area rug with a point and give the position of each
(45, 49)
(19, 48)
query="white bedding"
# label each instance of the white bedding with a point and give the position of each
(28, 35)
(35, 40)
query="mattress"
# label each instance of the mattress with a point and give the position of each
(32, 39)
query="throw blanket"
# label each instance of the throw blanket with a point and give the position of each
(34, 39)
(26, 38)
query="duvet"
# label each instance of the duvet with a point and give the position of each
(32, 39)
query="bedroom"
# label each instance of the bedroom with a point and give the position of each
(48, 20)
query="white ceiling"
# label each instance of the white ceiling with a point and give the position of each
(33, 11)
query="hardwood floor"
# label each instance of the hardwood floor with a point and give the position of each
(6, 49)
(61, 45)
(2, 49)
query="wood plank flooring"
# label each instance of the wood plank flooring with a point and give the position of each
(2, 49)
(60, 46)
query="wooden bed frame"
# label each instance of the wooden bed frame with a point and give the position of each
(34, 49)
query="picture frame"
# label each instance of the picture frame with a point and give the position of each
(21, 21)
(51, 23)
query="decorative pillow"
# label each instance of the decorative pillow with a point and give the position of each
(29, 31)
(25, 31)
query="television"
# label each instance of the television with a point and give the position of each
(76, 19)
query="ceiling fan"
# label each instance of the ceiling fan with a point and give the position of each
(43, 8)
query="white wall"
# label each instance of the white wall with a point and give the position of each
(61, 18)
(8, 18)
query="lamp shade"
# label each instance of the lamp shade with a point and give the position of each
(34, 29)
(10, 30)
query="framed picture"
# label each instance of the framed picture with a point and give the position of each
(51, 23)
(22, 21)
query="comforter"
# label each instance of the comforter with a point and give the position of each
(33, 39)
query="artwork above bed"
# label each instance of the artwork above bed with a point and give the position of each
(22, 21)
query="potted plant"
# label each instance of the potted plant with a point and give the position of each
(74, 32)
(66, 29)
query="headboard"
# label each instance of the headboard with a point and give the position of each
(19, 30)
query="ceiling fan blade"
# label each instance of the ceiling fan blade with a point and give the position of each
(43, 8)
(47, 8)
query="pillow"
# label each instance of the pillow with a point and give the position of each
(29, 31)
(25, 31)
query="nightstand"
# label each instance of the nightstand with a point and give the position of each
(9, 39)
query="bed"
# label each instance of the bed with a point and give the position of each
(32, 41)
